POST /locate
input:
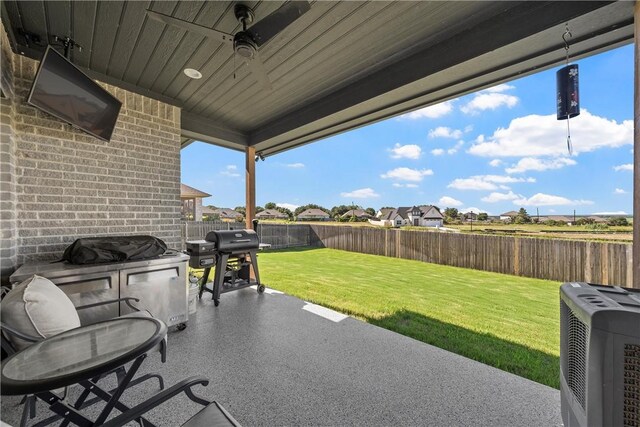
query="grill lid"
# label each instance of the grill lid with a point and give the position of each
(233, 240)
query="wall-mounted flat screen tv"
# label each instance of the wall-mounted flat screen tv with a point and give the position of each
(62, 90)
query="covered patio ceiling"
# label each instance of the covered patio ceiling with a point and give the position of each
(340, 66)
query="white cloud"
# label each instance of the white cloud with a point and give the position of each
(449, 201)
(437, 151)
(407, 174)
(289, 206)
(472, 184)
(489, 101)
(474, 210)
(445, 132)
(536, 135)
(499, 88)
(398, 185)
(625, 167)
(295, 165)
(230, 170)
(495, 163)
(611, 213)
(409, 151)
(502, 179)
(536, 164)
(486, 182)
(362, 193)
(431, 112)
(500, 197)
(619, 191)
(455, 148)
(541, 199)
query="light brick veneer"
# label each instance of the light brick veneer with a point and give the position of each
(68, 184)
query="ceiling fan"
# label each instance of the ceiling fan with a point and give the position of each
(247, 41)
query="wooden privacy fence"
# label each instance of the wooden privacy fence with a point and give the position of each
(561, 260)
(285, 235)
(197, 230)
(553, 259)
(279, 236)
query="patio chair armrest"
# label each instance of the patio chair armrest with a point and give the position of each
(126, 300)
(17, 334)
(144, 407)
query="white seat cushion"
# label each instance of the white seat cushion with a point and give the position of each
(37, 307)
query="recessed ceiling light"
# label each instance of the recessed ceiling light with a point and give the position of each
(194, 74)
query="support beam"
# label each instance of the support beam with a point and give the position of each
(207, 130)
(636, 151)
(412, 75)
(250, 179)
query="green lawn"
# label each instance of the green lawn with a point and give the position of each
(508, 322)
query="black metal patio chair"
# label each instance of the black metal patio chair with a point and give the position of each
(8, 334)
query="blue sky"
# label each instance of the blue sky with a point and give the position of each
(494, 151)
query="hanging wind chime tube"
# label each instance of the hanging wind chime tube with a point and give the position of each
(567, 90)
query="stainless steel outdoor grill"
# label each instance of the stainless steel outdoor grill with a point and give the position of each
(233, 253)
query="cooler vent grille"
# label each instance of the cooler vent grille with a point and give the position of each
(577, 341)
(631, 407)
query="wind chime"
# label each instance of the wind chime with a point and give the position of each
(567, 90)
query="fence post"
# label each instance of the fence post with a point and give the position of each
(516, 256)
(629, 281)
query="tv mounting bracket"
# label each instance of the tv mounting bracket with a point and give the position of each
(69, 44)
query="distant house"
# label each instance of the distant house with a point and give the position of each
(313, 215)
(598, 219)
(191, 199)
(359, 214)
(271, 214)
(508, 216)
(422, 216)
(419, 216)
(384, 212)
(389, 218)
(208, 211)
(225, 214)
(560, 218)
(470, 216)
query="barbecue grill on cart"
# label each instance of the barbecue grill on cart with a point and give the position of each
(232, 253)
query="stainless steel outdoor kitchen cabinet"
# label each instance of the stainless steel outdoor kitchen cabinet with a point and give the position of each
(160, 283)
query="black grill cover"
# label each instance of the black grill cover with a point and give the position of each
(95, 250)
(234, 240)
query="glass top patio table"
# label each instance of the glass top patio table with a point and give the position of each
(79, 354)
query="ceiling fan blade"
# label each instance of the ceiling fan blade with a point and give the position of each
(189, 26)
(259, 72)
(263, 30)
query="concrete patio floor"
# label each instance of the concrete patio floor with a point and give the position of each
(272, 363)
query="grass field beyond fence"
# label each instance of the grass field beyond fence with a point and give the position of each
(508, 322)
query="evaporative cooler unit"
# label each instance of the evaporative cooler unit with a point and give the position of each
(599, 355)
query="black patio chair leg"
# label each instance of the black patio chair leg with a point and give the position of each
(115, 397)
(120, 374)
(28, 410)
(94, 400)
(146, 377)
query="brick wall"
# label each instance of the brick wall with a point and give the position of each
(69, 184)
(8, 231)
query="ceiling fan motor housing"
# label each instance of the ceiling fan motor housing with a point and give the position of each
(244, 45)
